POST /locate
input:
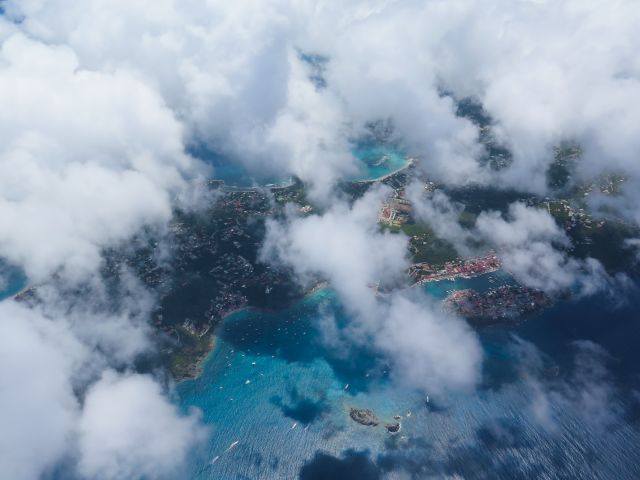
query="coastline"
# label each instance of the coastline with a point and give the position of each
(409, 164)
(195, 370)
(315, 289)
(16, 296)
(199, 364)
(199, 361)
(250, 188)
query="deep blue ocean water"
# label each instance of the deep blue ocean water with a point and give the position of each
(277, 401)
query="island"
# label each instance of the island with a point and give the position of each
(393, 427)
(423, 273)
(364, 417)
(507, 303)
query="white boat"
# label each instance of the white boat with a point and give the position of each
(232, 445)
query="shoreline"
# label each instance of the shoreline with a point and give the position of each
(410, 162)
(315, 289)
(202, 360)
(16, 295)
(452, 278)
(271, 186)
(212, 343)
(199, 365)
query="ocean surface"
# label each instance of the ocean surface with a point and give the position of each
(551, 404)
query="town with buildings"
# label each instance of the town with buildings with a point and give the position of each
(395, 212)
(505, 303)
(422, 273)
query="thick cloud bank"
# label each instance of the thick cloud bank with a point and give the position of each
(87, 158)
(38, 408)
(128, 429)
(544, 71)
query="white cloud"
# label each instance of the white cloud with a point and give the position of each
(428, 349)
(129, 429)
(531, 245)
(533, 249)
(440, 213)
(525, 240)
(86, 159)
(100, 98)
(545, 71)
(38, 408)
(125, 427)
(343, 245)
(310, 133)
(229, 72)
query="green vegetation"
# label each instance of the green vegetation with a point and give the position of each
(605, 242)
(467, 219)
(184, 362)
(424, 245)
(561, 169)
(602, 239)
(295, 193)
(477, 199)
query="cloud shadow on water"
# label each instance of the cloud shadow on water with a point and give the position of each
(293, 335)
(302, 409)
(352, 465)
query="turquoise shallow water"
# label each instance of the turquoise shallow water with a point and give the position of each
(294, 396)
(277, 402)
(12, 280)
(482, 283)
(376, 161)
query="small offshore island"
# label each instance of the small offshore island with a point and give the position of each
(367, 418)
(364, 417)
